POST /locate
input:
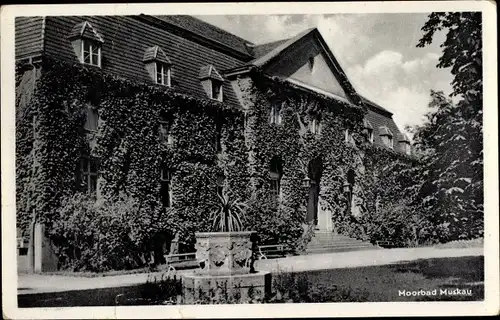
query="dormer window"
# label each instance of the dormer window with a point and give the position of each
(158, 65)
(404, 144)
(212, 82)
(386, 136)
(163, 74)
(275, 116)
(368, 130)
(87, 43)
(91, 52)
(216, 90)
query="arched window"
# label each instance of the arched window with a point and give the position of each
(316, 125)
(275, 115)
(275, 173)
(351, 179)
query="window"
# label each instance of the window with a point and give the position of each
(348, 136)
(212, 81)
(369, 133)
(162, 74)
(216, 90)
(316, 126)
(89, 174)
(86, 43)
(407, 148)
(276, 172)
(166, 187)
(91, 52)
(92, 121)
(386, 136)
(350, 180)
(275, 115)
(166, 135)
(368, 130)
(390, 142)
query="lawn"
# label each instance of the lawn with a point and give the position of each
(383, 283)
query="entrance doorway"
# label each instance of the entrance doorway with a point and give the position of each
(314, 171)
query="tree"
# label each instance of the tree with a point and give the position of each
(450, 140)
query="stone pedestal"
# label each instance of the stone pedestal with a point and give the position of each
(240, 287)
(225, 252)
(227, 272)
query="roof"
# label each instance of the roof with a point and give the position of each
(209, 71)
(373, 104)
(155, 53)
(262, 49)
(208, 31)
(272, 50)
(187, 50)
(85, 30)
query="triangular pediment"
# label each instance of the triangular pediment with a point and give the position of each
(306, 60)
(85, 30)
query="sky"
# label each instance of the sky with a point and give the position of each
(377, 52)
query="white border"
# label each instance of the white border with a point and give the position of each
(9, 283)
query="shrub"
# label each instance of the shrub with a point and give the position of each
(401, 223)
(272, 224)
(105, 234)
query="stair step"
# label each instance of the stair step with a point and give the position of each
(340, 249)
(341, 246)
(325, 241)
(337, 241)
(331, 237)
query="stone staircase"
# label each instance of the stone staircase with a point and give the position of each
(326, 241)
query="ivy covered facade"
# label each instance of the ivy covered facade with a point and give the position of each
(168, 111)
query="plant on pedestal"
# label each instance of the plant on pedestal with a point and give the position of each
(228, 249)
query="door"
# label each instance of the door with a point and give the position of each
(324, 216)
(312, 203)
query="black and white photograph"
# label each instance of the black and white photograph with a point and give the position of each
(177, 156)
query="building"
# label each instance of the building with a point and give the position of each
(195, 58)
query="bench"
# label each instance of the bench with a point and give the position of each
(385, 244)
(181, 260)
(274, 251)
